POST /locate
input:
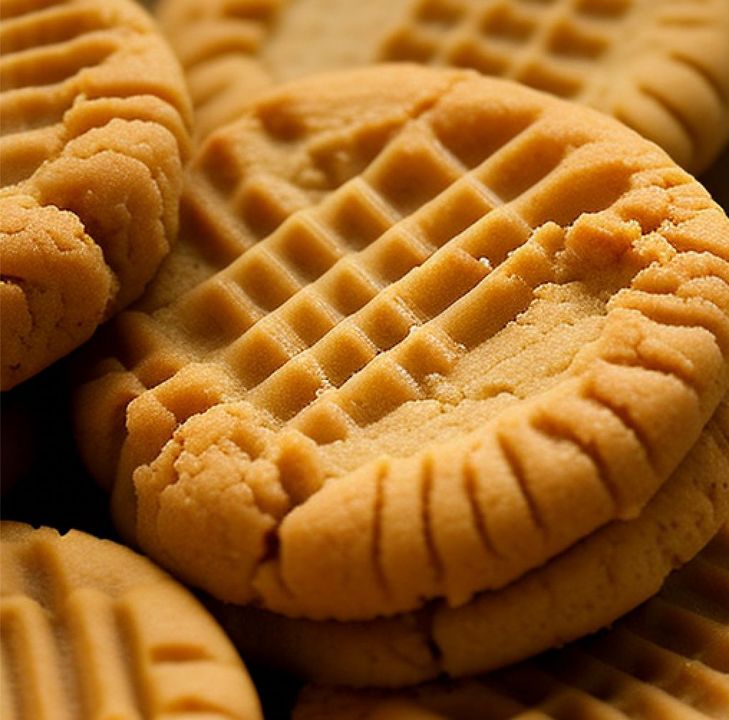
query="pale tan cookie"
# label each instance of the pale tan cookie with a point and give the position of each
(581, 590)
(661, 66)
(94, 126)
(503, 331)
(92, 630)
(668, 660)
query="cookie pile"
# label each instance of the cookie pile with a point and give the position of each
(409, 370)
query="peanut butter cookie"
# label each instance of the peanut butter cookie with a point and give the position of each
(92, 630)
(95, 118)
(500, 323)
(660, 66)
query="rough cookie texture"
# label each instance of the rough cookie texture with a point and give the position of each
(90, 629)
(583, 589)
(668, 659)
(95, 118)
(501, 323)
(661, 66)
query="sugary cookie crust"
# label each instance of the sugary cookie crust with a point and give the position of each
(90, 629)
(660, 66)
(95, 123)
(503, 309)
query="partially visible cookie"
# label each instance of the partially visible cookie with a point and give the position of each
(218, 45)
(498, 323)
(661, 66)
(95, 117)
(90, 629)
(667, 659)
(585, 588)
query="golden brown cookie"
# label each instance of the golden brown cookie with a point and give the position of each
(661, 66)
(583, 589)
(92, 630)
(669, 659)
(94, 126)
(502, 328)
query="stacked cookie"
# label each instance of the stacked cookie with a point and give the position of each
(433, 377)
(666, 660)
(602, 577)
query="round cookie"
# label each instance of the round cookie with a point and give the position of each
(661, 66)
(667, 659)
(501, 330)
(95, 125)
(90, 629)
(585, 588)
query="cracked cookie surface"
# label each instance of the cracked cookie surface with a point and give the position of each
(95, 126)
